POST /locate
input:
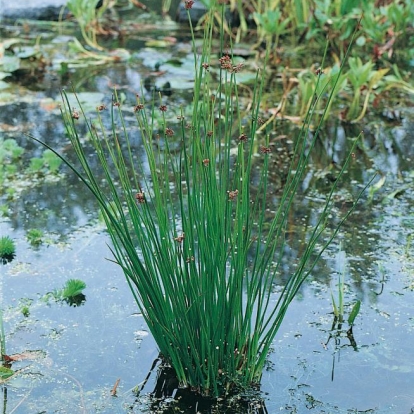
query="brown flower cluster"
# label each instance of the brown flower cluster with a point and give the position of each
(180, 239)
(233, 194)
(138, 107)
(188, 4)
(243, 138)
(140, 197)
(75, 114)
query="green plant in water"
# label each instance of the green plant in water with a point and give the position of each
(35, 237)
(331, 81)
(362, 76)
(338, 306)
(193, 241)
(71, 292)
(271, 26)
(7, 249)
(72, 288)
(49, 163)
(2, 337)
(25, 311)
(10, 154)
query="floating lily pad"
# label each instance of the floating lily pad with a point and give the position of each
(4, 75)
(25, 52)
(8, 43)
(10, 63)
(4, 85)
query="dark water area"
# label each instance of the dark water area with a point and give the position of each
(314, 366)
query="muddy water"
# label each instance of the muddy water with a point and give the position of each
(313, 366)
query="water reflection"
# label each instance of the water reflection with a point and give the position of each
(168, 398)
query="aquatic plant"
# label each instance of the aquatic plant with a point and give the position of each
(192, 238)
(338, 305)
(72, 288)
(71, 293)
(302, 21)
(2, 337)
(48, 163)
(34, 237)
(10, 153)
(7, 249)
(16, 176)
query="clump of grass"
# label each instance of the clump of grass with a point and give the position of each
(71, 293)
(72, 288)
(34, 237)
(193, 241)
(7, 249)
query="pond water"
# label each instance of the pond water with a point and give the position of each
(82, 351)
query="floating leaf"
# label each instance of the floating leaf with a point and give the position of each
(31, 355)
(52, 160)
(10, 63)
(8, 43)
(4, 75)
(25, 52)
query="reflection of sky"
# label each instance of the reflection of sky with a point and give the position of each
(92, 345)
